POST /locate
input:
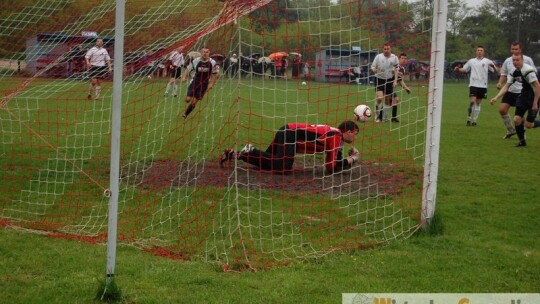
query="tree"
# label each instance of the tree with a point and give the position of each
(520, 23)
(457, 12)
(484, 30)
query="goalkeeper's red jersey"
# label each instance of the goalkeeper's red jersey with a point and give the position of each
(311, 139)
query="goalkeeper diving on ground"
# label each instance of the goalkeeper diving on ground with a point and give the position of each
(302, 138)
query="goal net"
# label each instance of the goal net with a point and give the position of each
(278, 62)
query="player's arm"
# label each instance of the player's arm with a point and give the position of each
(462, 69)
(502, 79)
(375, 65)
(404, 85)
(396, 73)
(108, 60)
(87, 59)
(334, 156)
(493, 67)
(536, 87)
(185, 72)
(501, 93)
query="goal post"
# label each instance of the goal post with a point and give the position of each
(278, 63)
(433, 129)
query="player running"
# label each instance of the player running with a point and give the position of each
(204, 79)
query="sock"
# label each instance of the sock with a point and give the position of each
(520, 131)
(378, 110)
(476, 112)
(167, 88)
(98, 91)
(175, 89)
(508, 123)
(90, 88)
(189, 109)
(469, 111)
(536, 124)
(385, 112)
(394, 111)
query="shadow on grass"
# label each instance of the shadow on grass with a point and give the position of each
(434, 227)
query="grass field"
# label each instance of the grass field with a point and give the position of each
(487, 203)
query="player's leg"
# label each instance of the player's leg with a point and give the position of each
(521, 109)
(264, 160)
(91, 87)
(395, 102)
(530, 121)
(379, 98)
(279, 156)
(476, 111)
(168, 87)
(388, 96)
(472, 101)
(171, 80)
(97, 88)
(508, 100)
(190, 107)
(190, 96)
(197, 93)
(177, 73)
(93, 80)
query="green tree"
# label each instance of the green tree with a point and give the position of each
(484, 29)
(520, 23)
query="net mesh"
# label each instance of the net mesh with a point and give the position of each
(278, 62)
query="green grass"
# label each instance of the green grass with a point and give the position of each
(486, 202)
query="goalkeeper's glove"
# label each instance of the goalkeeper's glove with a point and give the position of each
(354, 154)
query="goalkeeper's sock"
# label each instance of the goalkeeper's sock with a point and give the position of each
(508, 123)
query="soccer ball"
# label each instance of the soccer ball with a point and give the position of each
(304, 83)
(362, 113)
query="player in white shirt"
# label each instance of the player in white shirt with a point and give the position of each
(384, 67)
(176, 62)
(509, 98)
(528, 99)
(479, 68)
(97, 62)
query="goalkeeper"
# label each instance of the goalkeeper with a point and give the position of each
(301, 138)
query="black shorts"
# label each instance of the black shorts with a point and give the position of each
(176, 72)
(524, 105)
(510, 98)
(197, 89)
(480, 93)
(384, 85)
(98, 72)
(395, 94)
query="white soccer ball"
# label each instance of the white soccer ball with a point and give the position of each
(362, 113)
(304, 83)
